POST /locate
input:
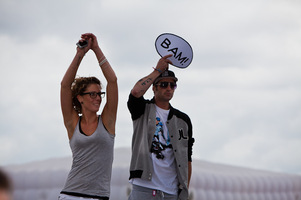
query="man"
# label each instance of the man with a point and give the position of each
(162, 140)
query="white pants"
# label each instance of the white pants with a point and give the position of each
(69, 197)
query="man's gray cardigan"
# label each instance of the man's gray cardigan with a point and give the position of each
(143, 113)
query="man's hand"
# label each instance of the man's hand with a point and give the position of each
(163, 63)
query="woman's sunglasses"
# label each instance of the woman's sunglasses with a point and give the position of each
(164, 85)
(93, 95)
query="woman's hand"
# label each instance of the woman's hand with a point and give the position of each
(92, 41)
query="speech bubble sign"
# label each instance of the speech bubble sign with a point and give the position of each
(181, 50)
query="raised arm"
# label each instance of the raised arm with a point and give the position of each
(109, 113)
(69, 114)
(143, 84)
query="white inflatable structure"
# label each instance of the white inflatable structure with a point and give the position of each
(43, 180)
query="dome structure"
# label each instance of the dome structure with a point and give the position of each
(43, 180)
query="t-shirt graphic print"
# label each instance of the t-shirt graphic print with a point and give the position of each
(160, 140)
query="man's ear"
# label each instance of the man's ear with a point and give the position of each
(154, 88)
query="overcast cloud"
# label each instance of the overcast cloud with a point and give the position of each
(242, 90)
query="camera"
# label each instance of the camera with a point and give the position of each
(82, 44)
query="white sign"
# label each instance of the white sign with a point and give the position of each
(181, 50)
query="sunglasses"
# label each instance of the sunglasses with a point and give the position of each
(93, 95)
(164, 85)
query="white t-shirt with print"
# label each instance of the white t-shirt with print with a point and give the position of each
(164, 177)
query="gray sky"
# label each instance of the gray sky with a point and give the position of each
(242, 90)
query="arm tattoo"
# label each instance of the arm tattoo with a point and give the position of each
(146, 81)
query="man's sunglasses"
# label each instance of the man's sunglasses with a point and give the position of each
(164, 85)
(93, 95)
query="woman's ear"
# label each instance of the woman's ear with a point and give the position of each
(80, 99)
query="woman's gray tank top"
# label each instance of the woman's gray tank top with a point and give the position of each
(92, 162)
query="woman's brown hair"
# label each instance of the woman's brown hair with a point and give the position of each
(78, 87)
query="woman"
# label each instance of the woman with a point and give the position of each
(91, 136)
